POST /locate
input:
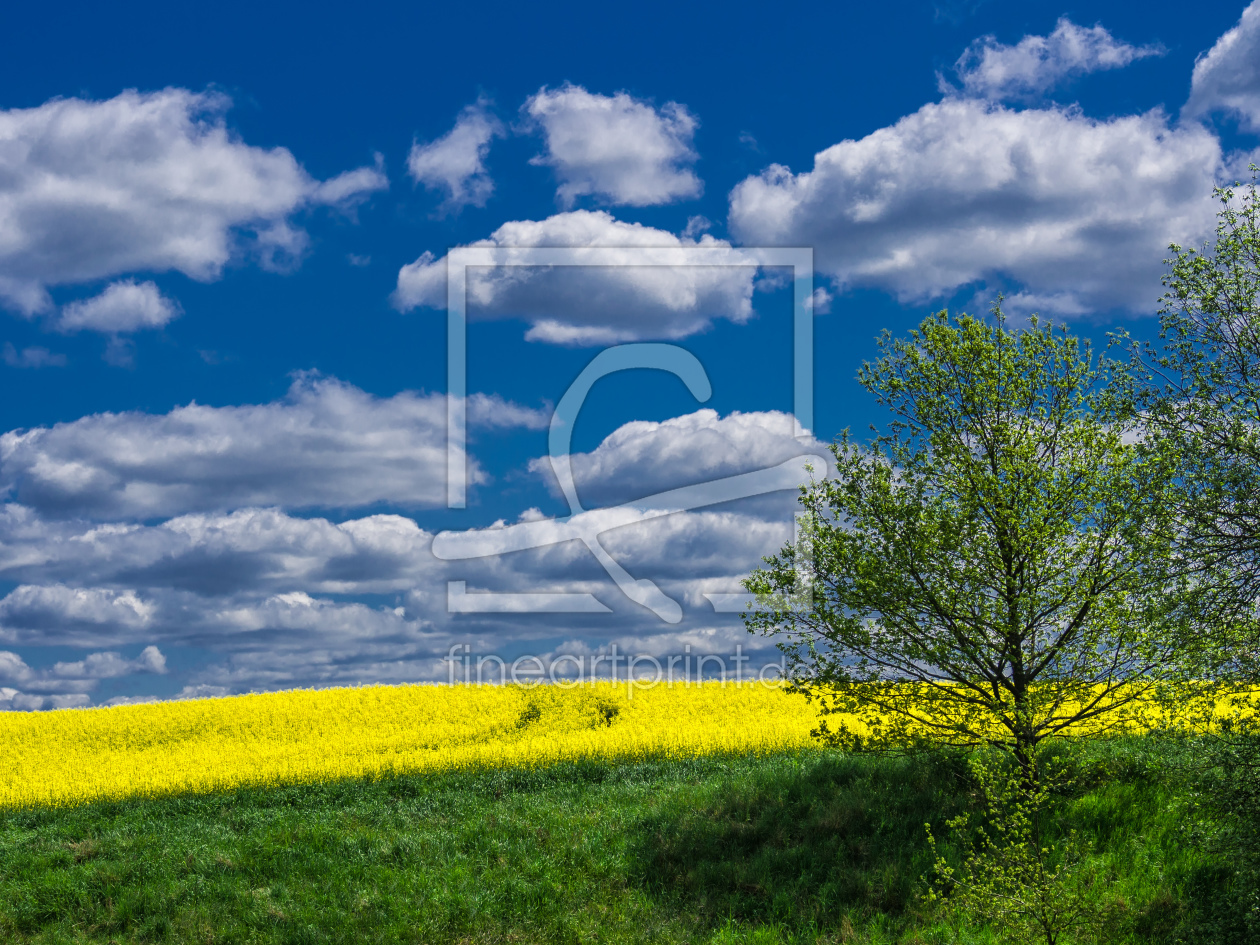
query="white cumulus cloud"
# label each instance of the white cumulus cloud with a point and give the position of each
(262, 593)
(245, 551)
(455, 164)
(154, 181)
(615, 147)
(16, 700)
(68, 684)
(326, 444)
(1077, 211)
(1036, 64)
(62, 610)
(1227, 77)
(111, 665)
(124, 306)
(644, 457)
(586, 305)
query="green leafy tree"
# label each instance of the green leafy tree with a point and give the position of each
(1202, 403)
(993, 569)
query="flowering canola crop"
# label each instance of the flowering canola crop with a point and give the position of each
(78, 755)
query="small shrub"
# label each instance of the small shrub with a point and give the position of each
(1027, 888)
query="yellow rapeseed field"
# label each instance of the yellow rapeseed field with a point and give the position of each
(76, 755)
(73, 756)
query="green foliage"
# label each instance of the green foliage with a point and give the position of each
(1031, 892)
(1201, 402)
(997, 567)
(1226, 805)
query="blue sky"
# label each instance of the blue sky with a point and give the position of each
(223, 350)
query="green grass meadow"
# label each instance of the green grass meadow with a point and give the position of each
(816, 847)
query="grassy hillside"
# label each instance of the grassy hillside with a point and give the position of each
(796, 848)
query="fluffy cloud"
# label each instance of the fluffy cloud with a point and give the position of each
(249, 551)
(263, 594)
(1036, 64)
(76, 616)
(685, 553)
(111, 665)
(586, 305)
(1078, 211)
(297, 610)
(14, 699)
(60, 613)
(326, 444)
(1227, 78)
(688, 553)
(615, 148)
(455, 164)
(267, 625)
(145, 182)
(133, 582)
(644, 457)
(282, 668)
(124, 306)
(68, 684)
(281, 641)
